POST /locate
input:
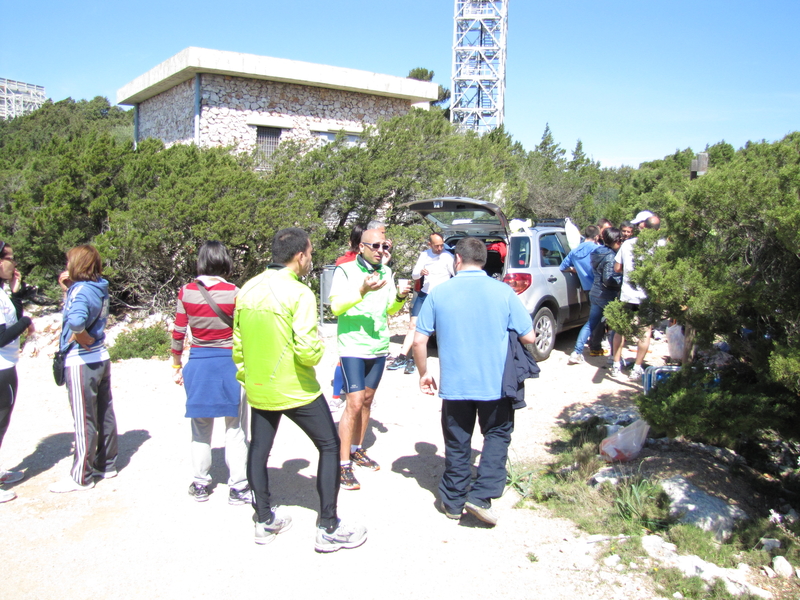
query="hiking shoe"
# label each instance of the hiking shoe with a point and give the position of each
(347, 480)
(10, 476)
(198, 491)
(6, 495)
(446, 511)
(411, 368)
(266, 532)
(360, 459)
(575, 358)
(242, 496)
(637, 372)
(70, 485)
(601, 352)
(484, 514)
(344, 536)
(397, 363)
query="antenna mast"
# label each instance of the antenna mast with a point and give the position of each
(479, 64)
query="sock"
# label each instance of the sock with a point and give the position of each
(401, 357)
(354, 448)
(344, 463)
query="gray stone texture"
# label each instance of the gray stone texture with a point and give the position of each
(689, 504)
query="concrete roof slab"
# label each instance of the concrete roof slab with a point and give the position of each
(188, 62)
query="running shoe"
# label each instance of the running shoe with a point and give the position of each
(10, 476)
(239, 497)
(266, 532)
(575, 359)
(485, 514)
(198, 491)
(344, 536)
(360, 459)
(411, 368)
(397, 363)
(637, 372)
(348, 480)
(601, 352)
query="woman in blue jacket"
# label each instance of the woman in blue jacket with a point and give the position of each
(605, 288)
(88, 371)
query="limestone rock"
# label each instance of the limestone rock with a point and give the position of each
(782, 567)
(693, 506)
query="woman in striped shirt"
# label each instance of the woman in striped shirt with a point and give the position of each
(209, 375)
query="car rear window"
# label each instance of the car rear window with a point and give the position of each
(519, 253)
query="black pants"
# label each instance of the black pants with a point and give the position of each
(8, 394)
(496, 420)
(316, 422)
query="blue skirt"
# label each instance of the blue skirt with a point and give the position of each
(212, 389)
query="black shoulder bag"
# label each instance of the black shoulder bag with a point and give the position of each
(226, 318)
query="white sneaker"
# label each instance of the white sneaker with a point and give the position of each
(575, 359)
(637, 373)
(11, 476)
(616, 368)
(6, 495)
(69, 485)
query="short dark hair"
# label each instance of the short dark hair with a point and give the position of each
(287, 243)
(652, 222)
(626, 224)
(355, 237)
(591, 232)
(611, 236)
(430, 237)
(213, 259)
(85, 263)
(603, 222)
(472, 251)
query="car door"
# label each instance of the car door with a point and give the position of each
(550, 254)
(579, 299)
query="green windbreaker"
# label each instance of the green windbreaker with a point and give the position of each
(275, 341)
(363, 329)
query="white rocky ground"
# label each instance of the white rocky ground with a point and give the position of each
(141, 536)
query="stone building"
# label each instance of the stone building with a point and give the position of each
(244, 101)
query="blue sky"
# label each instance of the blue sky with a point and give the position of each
(634, 80)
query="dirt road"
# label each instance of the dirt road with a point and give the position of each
(141, 536)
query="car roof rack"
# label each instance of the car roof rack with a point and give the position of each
(551, 223)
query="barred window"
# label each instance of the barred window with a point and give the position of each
(267, 139)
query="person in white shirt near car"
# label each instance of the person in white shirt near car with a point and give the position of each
(434, 266)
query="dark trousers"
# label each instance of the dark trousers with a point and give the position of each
(8, 394)
(316, 422)
(496, 420)
(89, 388)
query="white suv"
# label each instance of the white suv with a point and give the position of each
(555, 300)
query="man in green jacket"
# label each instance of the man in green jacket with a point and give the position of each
(275, 348)
(363, 294)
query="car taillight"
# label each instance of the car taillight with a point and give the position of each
(519, 282)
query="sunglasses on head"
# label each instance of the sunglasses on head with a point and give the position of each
(377, 245)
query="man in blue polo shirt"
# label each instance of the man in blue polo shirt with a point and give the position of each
(471, 315)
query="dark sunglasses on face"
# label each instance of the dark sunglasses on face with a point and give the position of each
(377, 245)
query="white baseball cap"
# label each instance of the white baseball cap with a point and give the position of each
(642, 216)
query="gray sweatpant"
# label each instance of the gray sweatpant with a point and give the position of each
(89, 388)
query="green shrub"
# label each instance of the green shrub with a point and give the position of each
(718, 407)
(147, 342)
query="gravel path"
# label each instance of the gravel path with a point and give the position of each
(141, 536)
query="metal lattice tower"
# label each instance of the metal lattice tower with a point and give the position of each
(479, 64)
(18, 98)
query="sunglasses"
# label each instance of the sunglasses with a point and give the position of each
(377, 245)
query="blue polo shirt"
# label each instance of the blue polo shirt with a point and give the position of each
(471, 315)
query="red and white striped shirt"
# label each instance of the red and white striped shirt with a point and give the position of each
(207, 329)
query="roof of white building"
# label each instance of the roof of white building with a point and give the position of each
(188, 62)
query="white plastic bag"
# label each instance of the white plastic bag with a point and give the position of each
(675, 341)
(573, 233)
(626, 443)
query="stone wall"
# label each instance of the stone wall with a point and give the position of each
(169, 116)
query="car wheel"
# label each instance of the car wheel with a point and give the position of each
(544, 325)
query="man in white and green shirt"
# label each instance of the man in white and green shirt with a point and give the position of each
(363, 294)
